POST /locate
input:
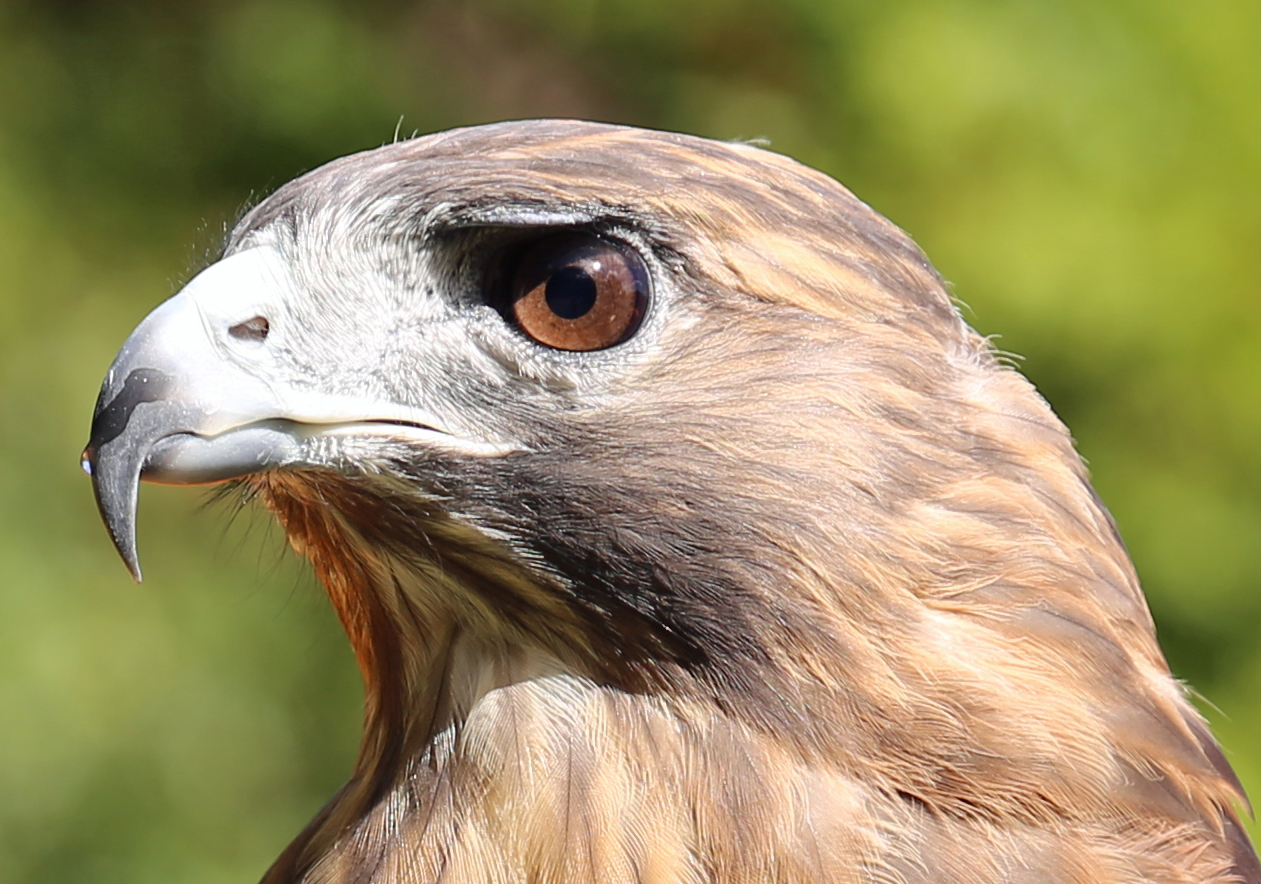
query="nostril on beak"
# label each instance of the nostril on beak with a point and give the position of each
(254, 330)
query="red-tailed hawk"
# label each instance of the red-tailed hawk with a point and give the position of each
(682, 529)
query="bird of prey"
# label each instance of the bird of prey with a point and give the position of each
(683, 531)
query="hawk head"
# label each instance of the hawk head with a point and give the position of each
(682, 529)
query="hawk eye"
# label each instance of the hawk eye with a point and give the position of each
(576, 291)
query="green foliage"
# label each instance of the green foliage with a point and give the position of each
(1086, 173)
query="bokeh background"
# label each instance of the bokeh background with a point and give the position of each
(1087, 173)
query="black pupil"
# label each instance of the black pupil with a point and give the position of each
(570, 292)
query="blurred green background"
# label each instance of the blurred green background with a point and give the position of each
(1087, 174)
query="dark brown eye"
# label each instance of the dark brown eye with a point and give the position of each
(578, 292)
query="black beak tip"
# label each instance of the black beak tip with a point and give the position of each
(118, 511)
(120, 441)
(129, 556)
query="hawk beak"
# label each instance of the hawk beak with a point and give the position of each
(185, 402)
(200, 393)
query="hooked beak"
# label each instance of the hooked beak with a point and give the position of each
(197, 395)
(177, 383)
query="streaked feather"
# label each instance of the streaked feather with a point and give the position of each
(817, 591)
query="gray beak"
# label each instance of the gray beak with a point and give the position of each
(202, 392)
(119, 445)
(189, 398)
